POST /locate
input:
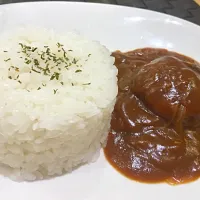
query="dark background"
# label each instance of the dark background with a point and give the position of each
(186, 9)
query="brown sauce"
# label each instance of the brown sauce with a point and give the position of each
(155, 127)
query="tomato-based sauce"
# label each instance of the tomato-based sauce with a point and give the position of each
(155, 127)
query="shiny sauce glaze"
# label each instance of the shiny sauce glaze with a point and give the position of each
(155, 126)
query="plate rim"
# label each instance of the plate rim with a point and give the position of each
(183, 22)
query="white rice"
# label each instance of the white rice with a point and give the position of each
(48, 127)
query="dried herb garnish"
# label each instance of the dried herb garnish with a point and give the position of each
(7, 59)
(55, 90)
(87, 84)
(78, 70)
(47, 63)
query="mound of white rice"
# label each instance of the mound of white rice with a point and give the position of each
(57, 96)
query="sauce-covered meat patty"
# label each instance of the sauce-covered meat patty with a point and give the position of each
(155, 127)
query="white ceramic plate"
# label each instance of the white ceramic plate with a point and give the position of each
(118, 28)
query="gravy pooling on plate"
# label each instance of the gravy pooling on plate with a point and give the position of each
(155, 127)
